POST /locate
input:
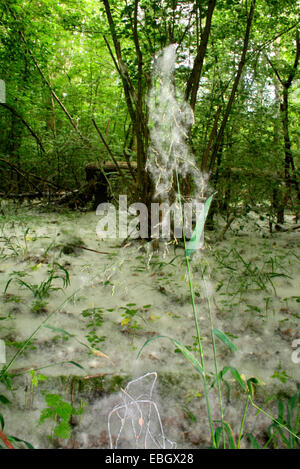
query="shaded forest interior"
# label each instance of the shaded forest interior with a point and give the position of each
(78, 76)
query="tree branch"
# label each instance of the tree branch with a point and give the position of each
(288, 83)
(15, 113)
(274, 70)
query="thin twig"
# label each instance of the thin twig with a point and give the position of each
(89, 249)
(111, 155)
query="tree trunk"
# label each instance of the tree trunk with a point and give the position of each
(289, 165)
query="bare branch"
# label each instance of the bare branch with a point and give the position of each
(112, 156)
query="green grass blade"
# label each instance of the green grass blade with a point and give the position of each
(254, 442)
(4, 399)
(7, 285)
(223, 337)
(76, 364)
(218, 434)
(14, 439)
(235, 374)
(193, 243)
(58, 329)
(181, 347)
(250, 384)
(230, 434)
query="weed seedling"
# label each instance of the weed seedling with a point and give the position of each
(95, 317)
(41, 291)
(61, 412)
(288, 418)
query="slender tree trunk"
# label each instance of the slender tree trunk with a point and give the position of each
(15, 143)
(134, 97)
(194, 78)
(234, 88)
(290, 173)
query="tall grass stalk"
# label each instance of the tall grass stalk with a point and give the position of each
(284, 427)
(215, 353)
(191, 288)
(243, 422)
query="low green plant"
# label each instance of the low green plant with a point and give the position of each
(39, 306)
(16, 247)
(244, 275)
(19, 344)
(10, 245)
(95, 318)
(281, 375)
(129, 314)
(35, 379)
(41, 291)
(286, 429)
(61, 413)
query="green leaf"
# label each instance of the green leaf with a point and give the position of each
(218, 434)
(190, 415)
(235, 375)
(1, 421)
(292, 404)
(225, 339)
(64, 410)
(229, 432)
(280, 411)
(63, 430)
(53, 400)
(58, 329)
(182, 349)
(76, 364)
(7, 285)
(4, 399)
(250, 384)
(19, 440)
(254, 441)
(193, 243)
(46, 414)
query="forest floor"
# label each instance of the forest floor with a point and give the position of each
(99, 309)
